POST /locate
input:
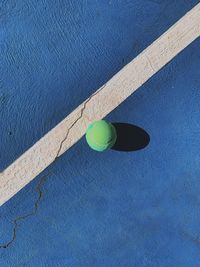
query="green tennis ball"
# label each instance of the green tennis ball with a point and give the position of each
(101, 135)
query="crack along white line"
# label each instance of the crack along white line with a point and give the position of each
(103, 101)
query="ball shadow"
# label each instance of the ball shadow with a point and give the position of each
(130, 137)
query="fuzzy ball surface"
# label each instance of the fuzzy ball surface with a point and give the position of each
(101, 135)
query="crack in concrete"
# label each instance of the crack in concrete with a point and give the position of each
(150, 63)
(80, 116)
(35, 209)
(44, 178)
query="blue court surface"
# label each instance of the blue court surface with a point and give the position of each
(139, 208)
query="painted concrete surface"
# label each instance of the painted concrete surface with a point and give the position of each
(99, 209)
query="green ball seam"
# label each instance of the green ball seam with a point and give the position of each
(100, 147)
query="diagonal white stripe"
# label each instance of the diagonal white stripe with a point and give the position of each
(103, 101)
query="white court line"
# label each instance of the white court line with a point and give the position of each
(103, 101)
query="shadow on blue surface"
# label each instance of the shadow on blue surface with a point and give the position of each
(130, 137)
(99, 209)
